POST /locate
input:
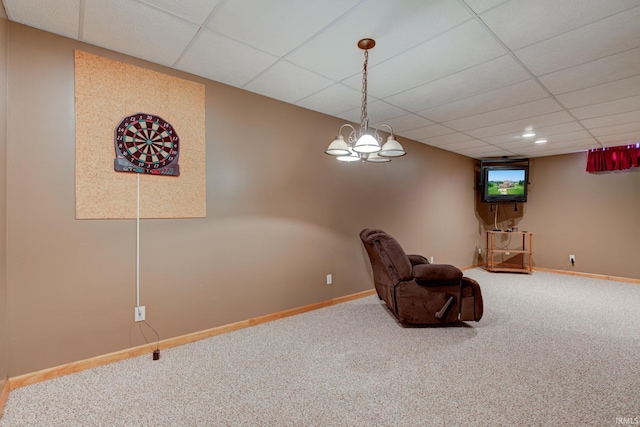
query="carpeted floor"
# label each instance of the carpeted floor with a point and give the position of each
(550, 350)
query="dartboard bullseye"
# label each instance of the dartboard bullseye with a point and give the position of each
(146, 143)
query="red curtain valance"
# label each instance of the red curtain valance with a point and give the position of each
(613, 158)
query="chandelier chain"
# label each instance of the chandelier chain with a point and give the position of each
(363, 117)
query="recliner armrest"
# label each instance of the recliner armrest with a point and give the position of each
(432, 274)
(417, 259)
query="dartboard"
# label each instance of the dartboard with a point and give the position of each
(146, 143)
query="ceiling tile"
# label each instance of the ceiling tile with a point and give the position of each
(333, 100)
(522, 111)
(615, 34)
(554, 151)
(404, 122)
(219, 58)
(515, 144)
(611, 120)
(497, 73)
(549, 149)
(466, 145)
(460, 48)
(601, 93)
(479, 6)
(560, 129)
(381, 112)
(287, 82)
(442, 140)
(582, 143)
(604, 70)
(521, 23)
(544, 132)
(528, 90)
(482, 152)
(396, 26)
(489, 154)
(567, 137)
(426, 132)
(618, 129)
(519, 125)
(619, 139)
(59, 17)
(195, 11)
(276, 27)
(623, 105)
(115, 23)
(377, 110)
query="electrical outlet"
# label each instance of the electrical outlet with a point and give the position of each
(329, 279)
(431, 260)
(139, 313)
(479, 251)
(572, 259)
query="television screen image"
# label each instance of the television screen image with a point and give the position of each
(506, 182)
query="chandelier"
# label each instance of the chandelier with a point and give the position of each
(364, 144)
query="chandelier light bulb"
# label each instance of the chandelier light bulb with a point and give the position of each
(366, 144)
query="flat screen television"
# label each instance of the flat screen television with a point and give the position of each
(504, 183)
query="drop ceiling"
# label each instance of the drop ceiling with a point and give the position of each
(465, 76)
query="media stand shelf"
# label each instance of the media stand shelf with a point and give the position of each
(513, 249)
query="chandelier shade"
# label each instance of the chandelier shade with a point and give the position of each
(377, 158)
(364, 144)
(338, 147)
(351, 157)
(392, 148)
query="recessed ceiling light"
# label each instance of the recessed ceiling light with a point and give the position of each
(528, 134)
(540, 141)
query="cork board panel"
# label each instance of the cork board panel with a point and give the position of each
(106, 91)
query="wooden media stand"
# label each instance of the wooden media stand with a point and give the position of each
(513, 249)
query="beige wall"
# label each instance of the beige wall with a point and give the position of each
(570, 211)
(281, 215)
(593, 216)
(3, 204)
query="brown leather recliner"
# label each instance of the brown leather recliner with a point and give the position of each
(415, 291)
